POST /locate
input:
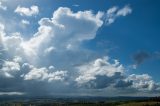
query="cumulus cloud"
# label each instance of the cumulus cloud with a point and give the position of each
(9, 68)
(59, 33)
(143, 82)
(60, 28)
(24, 11)
(62, 25)
(17, 59)
(123, 84)
(113, 13)
(12, 43)
(41, 74)
(100, 71)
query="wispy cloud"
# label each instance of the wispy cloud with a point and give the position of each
(11, 93)
(2, 6)
(75, 5)
(113, 13)
(25, 22)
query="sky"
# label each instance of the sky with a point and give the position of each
(79, 48)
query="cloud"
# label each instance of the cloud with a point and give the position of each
(2, 32)
(100, 71)
(10, 68)
(59, 33)
(113, 13)
(11, 93)
(124, 11)
(23, 11)
(123, 84)
(2, 6)
(49, 50)
(42, 74)
(12, 43)
(25, 22)
(17, 59)
(75, 5)
(62, 25)
(140, 57)
(143, 82)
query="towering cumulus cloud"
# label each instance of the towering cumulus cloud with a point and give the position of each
(65, 30)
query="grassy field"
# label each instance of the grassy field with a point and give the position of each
(141, 104)
(64, 102)
(127, 103)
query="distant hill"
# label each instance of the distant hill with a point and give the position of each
(75, 99)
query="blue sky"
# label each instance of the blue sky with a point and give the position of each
(79, 48)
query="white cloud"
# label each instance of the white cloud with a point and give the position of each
(75, 5)
(49, 50)
(60, 31)
(25, 22)
(112, 10)
(51, 68)
(23, 11)
(113, 13)
(143, 82)
(42, 74)
(124, 11)
(2, 6)
(9, 68)
(17, 59)
(99, 67)
(12, 93)
(2, 33)
(101, 73)
(12, 43)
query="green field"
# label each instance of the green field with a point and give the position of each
(127, 103)
(141, 104)
(120, 101)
